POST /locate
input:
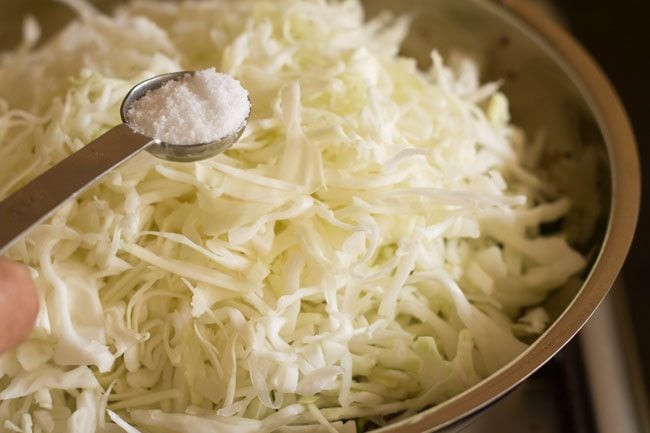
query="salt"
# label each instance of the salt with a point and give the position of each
(198, 108)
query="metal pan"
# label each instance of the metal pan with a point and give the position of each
(553, 84)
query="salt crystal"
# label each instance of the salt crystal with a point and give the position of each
(197, 108)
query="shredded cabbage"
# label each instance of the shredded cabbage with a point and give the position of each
(369, 248)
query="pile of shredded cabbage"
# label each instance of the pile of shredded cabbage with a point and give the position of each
(369, 248)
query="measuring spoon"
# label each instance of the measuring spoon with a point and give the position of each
(42, 196)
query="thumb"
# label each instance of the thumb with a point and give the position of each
(18, 304)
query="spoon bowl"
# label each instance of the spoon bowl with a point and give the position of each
(171, 151)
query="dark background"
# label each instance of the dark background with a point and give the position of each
(617, 34)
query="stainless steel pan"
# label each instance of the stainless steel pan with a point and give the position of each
(552, 84)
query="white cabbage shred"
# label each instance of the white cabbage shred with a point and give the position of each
(366, 249)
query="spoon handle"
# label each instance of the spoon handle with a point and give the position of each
(38, 199)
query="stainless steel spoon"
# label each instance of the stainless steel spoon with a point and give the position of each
(42, 196)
